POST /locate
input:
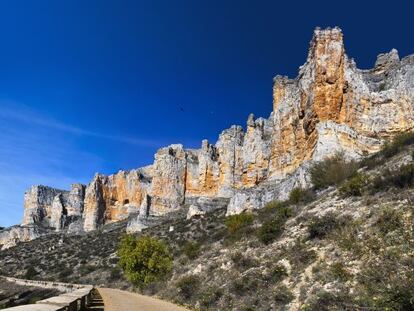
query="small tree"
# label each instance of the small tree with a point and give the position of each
(144, 259)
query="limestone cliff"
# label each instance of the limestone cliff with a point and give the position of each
(331, 106)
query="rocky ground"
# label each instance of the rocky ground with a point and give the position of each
(332, 251)
(12, 294)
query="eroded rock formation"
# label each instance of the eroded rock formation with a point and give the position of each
(331, 106)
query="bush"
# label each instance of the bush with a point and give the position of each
(86, 269)
(210, 296)
(337, 271)
(64, 273)
(299, 195)
(272, 205)
(353, 186)
(332, 171)
(400, 178)
(387, 286)
(30, 273)
(389, 220)
(144, 259)
(241, 262)
(346, 237)
(239, 222)
(188, 286)
(191, 249)
(300, 256)
(245, 284)
(320, 227)
(278, 273)
(282, 295)
(390, 149)
(328, 301)
(372, 161)
(272, 228)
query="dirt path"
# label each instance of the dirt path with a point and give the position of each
(118, 300)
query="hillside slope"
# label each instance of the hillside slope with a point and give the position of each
(348, 246)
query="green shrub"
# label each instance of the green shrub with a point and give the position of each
(278, 273)
(191, 249)
(320, 227)
(270, 230)
(282, 295)
(337, 271)
(30, 273)
(399, 178)
(278, 208)
(346, 236)
(300, 256)
(388, 221)
(244, 284)
(64, 273)
(276, 204)
(387, 286)
(241, 262)
(332, 171)
(144, 259)
(353, 186)
(390, 149)
(237, 223)
(86, 269)
(210, 296)
(371, 161)
(188, 286)
(300, 195)
(328, 301)
(273, 227)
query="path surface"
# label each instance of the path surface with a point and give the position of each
(119, 300)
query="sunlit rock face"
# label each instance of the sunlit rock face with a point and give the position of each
(38, 202)
(169, 179)
(53, 207)
(330, 107)
(314, 110)
(113, 198)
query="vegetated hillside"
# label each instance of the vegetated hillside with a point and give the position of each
(348, 244)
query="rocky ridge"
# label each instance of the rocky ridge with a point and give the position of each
(330, 107)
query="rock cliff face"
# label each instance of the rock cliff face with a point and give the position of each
(331, 106)
(113, 198)
(53, 207)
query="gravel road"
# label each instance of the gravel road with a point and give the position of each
(118, 300)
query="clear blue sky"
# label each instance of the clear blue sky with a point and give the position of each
(96, 85)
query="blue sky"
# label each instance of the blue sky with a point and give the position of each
(96, 85)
